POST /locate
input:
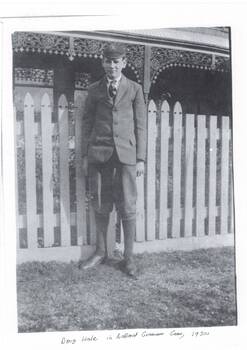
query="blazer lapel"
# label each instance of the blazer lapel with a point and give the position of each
(123, 87)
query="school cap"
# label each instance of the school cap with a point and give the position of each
(114, 50)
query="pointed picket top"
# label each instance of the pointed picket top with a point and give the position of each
(62, 102)
(177, 110)
(45, 101)
(165, 107)
(152, 107)
(28, 100)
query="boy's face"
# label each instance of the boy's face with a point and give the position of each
(113, 66)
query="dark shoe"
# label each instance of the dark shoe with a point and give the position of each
(128, 267)
(95, 260)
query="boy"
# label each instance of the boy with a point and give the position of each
(114, 146)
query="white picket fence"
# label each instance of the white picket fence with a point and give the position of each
(186, 191)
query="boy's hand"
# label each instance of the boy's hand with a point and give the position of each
(139, 168)
(85, 165)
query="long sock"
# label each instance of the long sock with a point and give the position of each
(129, 228)
(102, 222)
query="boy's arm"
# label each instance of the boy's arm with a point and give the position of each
(140, 115)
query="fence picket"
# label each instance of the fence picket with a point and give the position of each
(231, 204)
(164, 146)
(64, 171)
(177, 144)
(46, 127)
(224, 181)
(80, 178)
(151, 180)
(212, 175)
(29, 130)
(189, 160)
(48, 219)
(200, 174)
(17, 132)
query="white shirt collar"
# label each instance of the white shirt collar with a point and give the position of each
(117, 80)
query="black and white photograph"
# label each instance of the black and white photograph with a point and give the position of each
(124, 179)
(121, 147)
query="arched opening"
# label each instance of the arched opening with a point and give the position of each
(199, 91)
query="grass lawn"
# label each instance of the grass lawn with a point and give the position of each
(173, 289)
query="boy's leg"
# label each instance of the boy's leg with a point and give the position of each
(126, 195)
(102, 222)
(129, 228)
(101, 178)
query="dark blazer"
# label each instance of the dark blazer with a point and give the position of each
(122, 123)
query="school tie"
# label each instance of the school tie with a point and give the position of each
(113, 89)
